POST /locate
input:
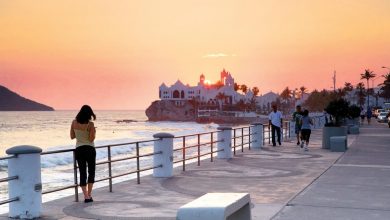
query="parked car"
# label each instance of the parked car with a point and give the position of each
(382, 117)
(378, 111)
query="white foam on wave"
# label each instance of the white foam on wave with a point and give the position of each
(176, 128)
(59, 159)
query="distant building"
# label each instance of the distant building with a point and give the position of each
(375, 99)
(267, 99)
(220, 92)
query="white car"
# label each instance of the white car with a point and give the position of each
(382, 117)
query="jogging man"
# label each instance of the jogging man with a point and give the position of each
(297, 115)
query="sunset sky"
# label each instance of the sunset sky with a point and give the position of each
(115, 54)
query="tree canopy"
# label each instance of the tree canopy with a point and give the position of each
(385, 87)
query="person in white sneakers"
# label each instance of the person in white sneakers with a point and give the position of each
(275, 124)
(306, 123)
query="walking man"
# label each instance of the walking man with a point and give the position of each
(362, 115)
(369, 114)
(275, 122)
(297, 115)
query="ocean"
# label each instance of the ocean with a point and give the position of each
(50, 131)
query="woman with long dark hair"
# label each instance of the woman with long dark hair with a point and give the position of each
(84, 131)
(306, 123)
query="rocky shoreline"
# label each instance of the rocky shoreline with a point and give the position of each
(166, 110)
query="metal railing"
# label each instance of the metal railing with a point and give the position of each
(285, 131)
(198, 154)
(7, 179)
(109, 162)
(238, 133)
(192, 147)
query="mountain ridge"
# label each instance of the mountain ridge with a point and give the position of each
(11, 101)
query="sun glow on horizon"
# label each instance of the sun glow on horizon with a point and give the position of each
(123, 50)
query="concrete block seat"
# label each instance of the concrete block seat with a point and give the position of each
(338, 143)
(217, 206)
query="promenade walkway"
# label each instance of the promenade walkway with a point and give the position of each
(284, 183)
(356, 187)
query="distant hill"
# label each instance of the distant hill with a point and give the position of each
(10, 101)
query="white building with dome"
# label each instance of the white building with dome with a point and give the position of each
(204, 92)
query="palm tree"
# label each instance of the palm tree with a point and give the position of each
(221, 97)
(286, 94)
(348, 87)
(385, 87)
(195, 103)
(303, 90)
(367, 75)
(361, 93)
(244, 88)
(255, 91)
(236, 87)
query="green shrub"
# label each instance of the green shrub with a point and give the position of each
(353, 111)
(338, 109)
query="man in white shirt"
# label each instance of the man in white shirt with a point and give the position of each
(276, 123)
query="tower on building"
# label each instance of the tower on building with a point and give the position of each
(201, 79)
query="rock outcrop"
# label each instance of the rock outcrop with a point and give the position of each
(166, 110)
(10, 101)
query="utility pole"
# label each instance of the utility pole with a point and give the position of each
(334, 81)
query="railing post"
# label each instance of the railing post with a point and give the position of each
(249, 138)
(257, 135)
(28, 187)
(292, 129)
(211, 147)
(198, 149)
(289, 129)
(242, 139)
(184, 153)
(234, 141)
(225, 138)
(138, 166)
(269, 134)
(163, 149)
(75, 180)
(109, 168)
(286, 130)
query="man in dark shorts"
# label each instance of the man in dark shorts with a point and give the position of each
(362, 115)
(297, 115)
(369, 114)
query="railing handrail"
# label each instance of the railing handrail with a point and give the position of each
(98, 147)
(192, 135)
(7, 157)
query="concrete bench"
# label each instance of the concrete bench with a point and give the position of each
(217, 206)
(338, 143)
